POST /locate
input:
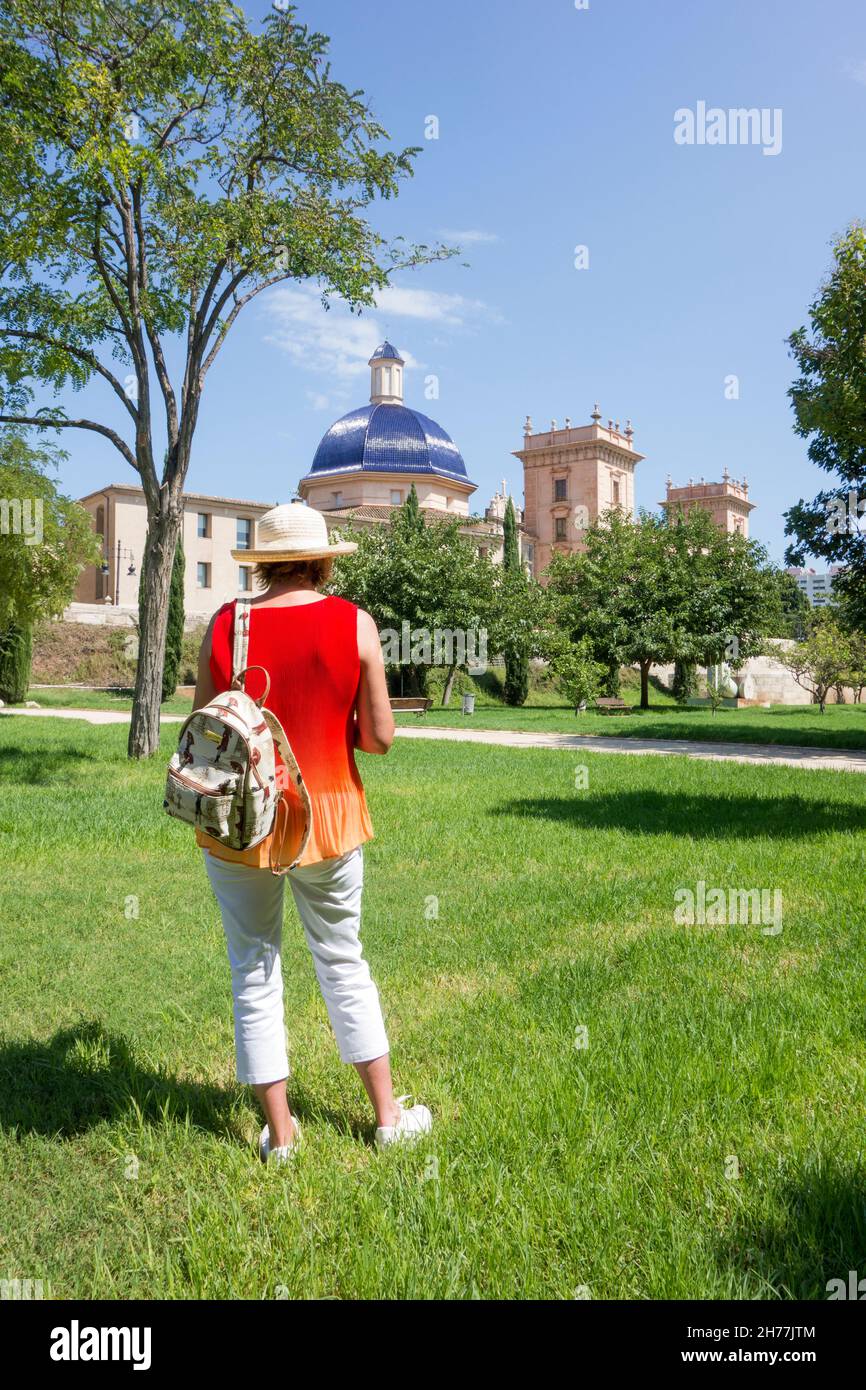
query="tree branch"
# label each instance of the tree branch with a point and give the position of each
(46, 422)
(239, 304)
(82, 353)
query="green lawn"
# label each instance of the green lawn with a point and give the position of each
(71, 697)
(708, 1142)
(841, 726)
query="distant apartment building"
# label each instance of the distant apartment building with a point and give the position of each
(818, 588)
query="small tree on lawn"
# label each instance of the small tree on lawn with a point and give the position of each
(161, 165)
(45, 541)
(580, 677)
(821, 660)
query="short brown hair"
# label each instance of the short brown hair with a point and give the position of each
(315, 572)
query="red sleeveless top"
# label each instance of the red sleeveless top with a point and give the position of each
(310, 651)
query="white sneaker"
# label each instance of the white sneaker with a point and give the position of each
(410, 1127)
(281, 1154)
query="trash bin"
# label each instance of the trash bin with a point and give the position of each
(468, 704)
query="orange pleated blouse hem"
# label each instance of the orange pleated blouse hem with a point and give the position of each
(341, 822)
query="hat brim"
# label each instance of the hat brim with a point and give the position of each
(276, 556)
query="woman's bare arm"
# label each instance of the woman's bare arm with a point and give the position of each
(374, 731)
(205, 690)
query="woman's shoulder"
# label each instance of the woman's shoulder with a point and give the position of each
(344, 605)
(223, 616)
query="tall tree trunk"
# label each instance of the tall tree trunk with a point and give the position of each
(644, 684)
(164, 529)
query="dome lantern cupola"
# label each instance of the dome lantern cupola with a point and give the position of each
(386, 376)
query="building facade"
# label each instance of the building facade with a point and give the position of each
(212, 527)
(727, 502)
(571, 477)
(818, 588)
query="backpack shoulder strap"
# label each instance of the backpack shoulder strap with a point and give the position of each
(285, 750)
(241, 648)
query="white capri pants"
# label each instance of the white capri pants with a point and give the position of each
(328, 898)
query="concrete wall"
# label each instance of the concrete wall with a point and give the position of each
(773, 681)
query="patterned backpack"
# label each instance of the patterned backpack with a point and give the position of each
(222, 778)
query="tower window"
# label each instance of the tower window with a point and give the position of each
(560, 489)
(396, 497)
(616, 492)
(559, 528)
(338, 499)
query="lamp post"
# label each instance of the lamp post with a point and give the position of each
(123, 552)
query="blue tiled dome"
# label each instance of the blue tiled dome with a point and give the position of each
(390, 439)
(388, 350)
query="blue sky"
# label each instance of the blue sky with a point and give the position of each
(556, 129)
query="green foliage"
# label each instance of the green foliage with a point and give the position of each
(174, 629)
(685, 681)
(579, 676)
(612, 682)
(829, 402)
(516, 686)
(45, 538)
(16, 654)
(425, 575)
(409, 517)
(664, 589)
(794, 608)
(510, 547)
(822, 659)
(516, 646)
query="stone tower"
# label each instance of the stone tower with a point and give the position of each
(571, 476)
(727, 502)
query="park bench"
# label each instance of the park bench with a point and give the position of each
(612, 705)
(410, 704)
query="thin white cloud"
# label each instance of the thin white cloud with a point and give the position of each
(857, 71)
(474, 234)
(338, 343)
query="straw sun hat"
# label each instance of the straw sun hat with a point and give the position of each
(293, 531)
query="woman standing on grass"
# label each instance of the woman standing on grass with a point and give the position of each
(329, 692)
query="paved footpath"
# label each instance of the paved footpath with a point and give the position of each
(832, 759)
(788, 755)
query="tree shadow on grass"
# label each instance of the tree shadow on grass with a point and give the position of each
(85, 1075)
(38, 766)
(819, 1235)
(647, 812)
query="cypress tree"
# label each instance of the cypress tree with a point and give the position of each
(409, 515)
(516, 686)
(174, 630)
(16, 652)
